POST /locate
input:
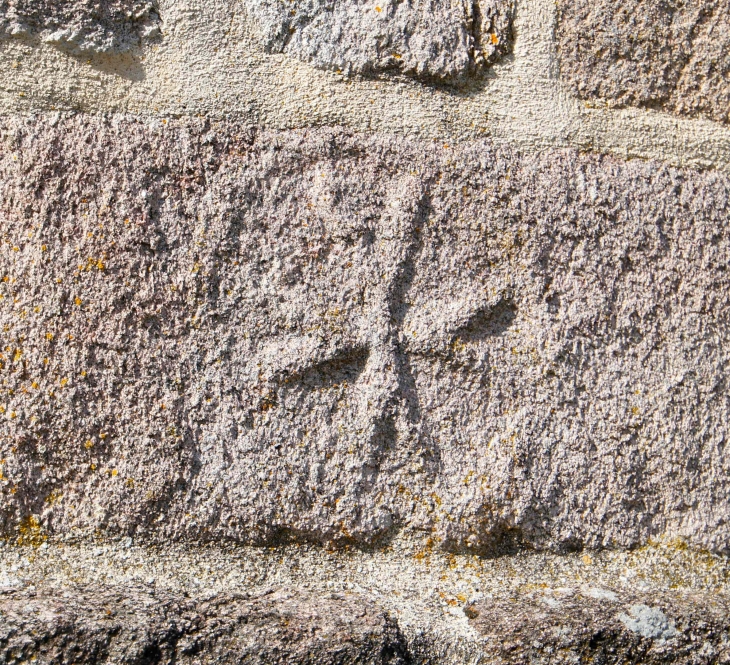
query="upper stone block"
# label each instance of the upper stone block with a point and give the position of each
(86, 26)
(670, 55)
(427, 39)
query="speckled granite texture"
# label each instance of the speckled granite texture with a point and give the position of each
(428, 39)
(212, 332)
(671, 55)
(82, 26)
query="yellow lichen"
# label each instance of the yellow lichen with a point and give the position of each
(53, 497)
(30, 533)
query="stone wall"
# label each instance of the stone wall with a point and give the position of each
(439, 283)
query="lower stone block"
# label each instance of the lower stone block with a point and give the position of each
(600, 626)
(108, 625)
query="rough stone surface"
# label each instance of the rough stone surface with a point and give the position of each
(599, 626)
(411, 345)
(667, 54)
(429, 39)
(121, 625)
(83, 26)
(213, 332)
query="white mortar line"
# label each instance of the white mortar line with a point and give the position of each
(425, 589)
(210, 64)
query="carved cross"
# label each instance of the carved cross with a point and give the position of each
(377, 363)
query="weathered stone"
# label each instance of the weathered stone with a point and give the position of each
(666, 54)
(429, 39)
(97, 26)
(212, 332)
(601, 626)
(121, 625)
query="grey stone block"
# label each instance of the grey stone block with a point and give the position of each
(602, 626)
(428, 39)
(123, 625)
(671, 55)
(82, 26)
(216, 333)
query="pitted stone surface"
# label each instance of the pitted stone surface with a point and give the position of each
(84, 26)
(95, 624)
(598, 625)
(672, 55)
(429, 39)
(216, 333)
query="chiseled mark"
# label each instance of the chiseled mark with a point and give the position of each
(373, 355)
